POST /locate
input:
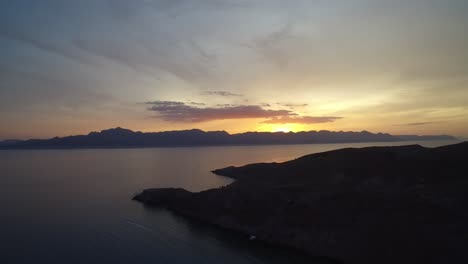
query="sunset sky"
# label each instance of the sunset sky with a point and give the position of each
(71, 67)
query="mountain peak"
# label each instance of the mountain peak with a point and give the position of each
(117, 131)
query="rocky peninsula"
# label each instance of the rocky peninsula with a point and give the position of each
(406, 204)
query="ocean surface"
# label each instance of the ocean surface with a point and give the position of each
(74, 206)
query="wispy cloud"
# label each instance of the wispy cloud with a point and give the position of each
(59, 49)
(180, 112)
(302, 119)
(292, 105)
(221, 93)
(418, 124)
(197, 104)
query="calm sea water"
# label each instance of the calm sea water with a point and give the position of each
(74, 206)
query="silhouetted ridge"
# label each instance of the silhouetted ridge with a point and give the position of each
(9, 142)
(118, 131)
(120, 137)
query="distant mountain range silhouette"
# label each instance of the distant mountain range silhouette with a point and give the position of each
(125, 138)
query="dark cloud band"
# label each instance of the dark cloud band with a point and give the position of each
(173, 111)
(181, 112)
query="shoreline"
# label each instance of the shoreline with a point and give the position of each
(201, 220)
(403, 142)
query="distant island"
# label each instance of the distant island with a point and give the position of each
(406, 204)
(125, 138)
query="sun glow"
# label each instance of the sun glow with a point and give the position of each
(285, 128)
(281, 129)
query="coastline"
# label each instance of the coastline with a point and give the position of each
(80, 147)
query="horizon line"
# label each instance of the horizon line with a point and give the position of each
(207, 131)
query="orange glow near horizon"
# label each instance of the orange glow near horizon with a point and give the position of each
(283, 128)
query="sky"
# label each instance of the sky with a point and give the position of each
(70, 67)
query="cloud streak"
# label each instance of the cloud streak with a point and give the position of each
(418, 124)
(302, 119)
(222, 93)
(292, 105)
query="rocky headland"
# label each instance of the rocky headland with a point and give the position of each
(406, 204)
